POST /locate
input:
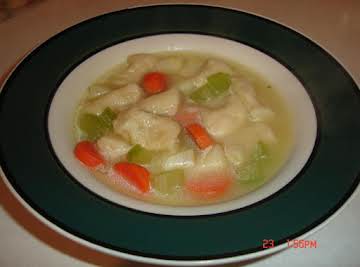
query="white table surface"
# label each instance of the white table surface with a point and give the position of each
(335, 25)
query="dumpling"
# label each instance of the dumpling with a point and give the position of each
(212, 66)
(117, 100)
(223, 121)
(151, 131)
(171, 64)
(247, 94)
(241, 86)
(265, 133)
(180, 160)
(112, 147)
(210, 160)
(261, 113)
(247, 137)
(235, 153)
(240, 145)
(96, 90)
(191, 67)
(138, 66)
(166, 103)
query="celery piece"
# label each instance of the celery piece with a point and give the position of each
(140, 155)
(168, 182)
(260, 152)
(253, 170)
(93, 127)
(107, 116)
(217, 85)
(202, 94)
(219, 82)
(249, 172)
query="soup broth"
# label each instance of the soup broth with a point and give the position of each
(182, 128)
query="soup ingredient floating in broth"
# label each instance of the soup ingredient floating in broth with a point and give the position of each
(209, 186)
(95, 126)
(85, 151)
(217, 85)
(140, 155)
(200, 136)
(182, 129)
(135, 174)
(154, 82)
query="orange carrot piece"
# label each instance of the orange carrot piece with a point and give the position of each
(199, 135)
(86, 152)
(210, 186)
(154, 82)
(134, 174)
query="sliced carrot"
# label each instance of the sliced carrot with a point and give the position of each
(154, 82)
(187, 117)
(209, 186)
(86, 152)
(199, 135)
(134, 174)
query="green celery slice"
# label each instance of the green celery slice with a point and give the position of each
(168, 182)
(140, 155)
(254, 169)
(202, 94)
(217, 85)
(107, 116)
(93, 127)
(260, 151)
(249, 172)
(219, 82)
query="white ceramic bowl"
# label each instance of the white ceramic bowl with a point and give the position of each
(70, 91)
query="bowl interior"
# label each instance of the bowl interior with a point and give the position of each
(70, 91)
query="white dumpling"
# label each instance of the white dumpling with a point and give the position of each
(191, 67)
(212, 66)
(150, 131)
(242, 85)
(235, 153)
(261, 113)
(96, 90)
(166, 103)
(138, 66)
(210, 160)
(247, 94)
(240, 145)
(215, 65)
(117, 100)
(265, 133)
(180, 160)
(223, 121)
(141, 63)
(112, 147)
(246, 91)
(247, 137)
(171, 64)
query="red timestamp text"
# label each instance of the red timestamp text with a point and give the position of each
(301, 243)
(268, 243)
(294, 243)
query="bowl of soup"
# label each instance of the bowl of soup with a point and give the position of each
(178, 129)
(198, 141)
